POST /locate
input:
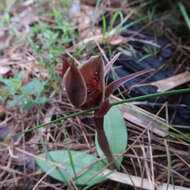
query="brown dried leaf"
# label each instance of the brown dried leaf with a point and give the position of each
(172, 82)
(143, 118)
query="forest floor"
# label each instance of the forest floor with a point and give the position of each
(36, 117)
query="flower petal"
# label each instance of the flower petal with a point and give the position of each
(109, 65)
(66, 65)
(93, 74)
(75, 86)
(104, 108)
(116, 84)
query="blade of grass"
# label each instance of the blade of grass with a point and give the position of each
(95, 14)
(170, 170)
(70, 155)
(104, 28)
(171, 92)
(113, 20)
(184, 13)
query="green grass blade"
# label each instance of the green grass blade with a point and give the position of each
(184, 13)
(95, 14)
(171, 92)
(70, 155)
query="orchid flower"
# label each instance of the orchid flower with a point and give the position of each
(85, 88)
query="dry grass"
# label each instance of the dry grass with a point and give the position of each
(149, 156)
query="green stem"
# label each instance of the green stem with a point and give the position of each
(138, 98)
(171, 92)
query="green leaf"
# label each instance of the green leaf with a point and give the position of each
(6, 81)
(81, 162)
(14, 102)
(34, 87)
(6, 17)
(13, 84)
(116, 133)
(28, 105)
(41, 100)
(184, 13)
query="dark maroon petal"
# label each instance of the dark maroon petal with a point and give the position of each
(104, 108)
(109, 65)
(116, 84)
(93, 74)
(75, 86)
(66, 65)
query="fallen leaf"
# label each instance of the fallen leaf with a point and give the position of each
(4, 70)
(143, 118)
(172, 82)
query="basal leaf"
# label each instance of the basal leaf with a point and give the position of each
(81, 162)
(116, 133)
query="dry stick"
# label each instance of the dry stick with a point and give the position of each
(146, 167)
(184, 161)
(83, 133)
(70, 55)
(8, 167)
(140, 40)
(167, 152)
(130, 146)
(167, 149)
(150, 149)
(102, 51)
(43, 177)
(151, 157)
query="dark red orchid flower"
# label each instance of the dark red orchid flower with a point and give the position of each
(85, 88)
